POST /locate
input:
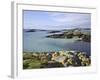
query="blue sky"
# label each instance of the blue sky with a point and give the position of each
(55, 20)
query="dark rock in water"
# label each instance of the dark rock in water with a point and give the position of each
(54, 31)
(31, 30)
(56, 36)
(43, 30)
(86, 38)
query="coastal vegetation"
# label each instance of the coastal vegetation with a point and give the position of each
(69, 34)
(34, 60)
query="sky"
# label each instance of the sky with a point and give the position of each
(55, 20)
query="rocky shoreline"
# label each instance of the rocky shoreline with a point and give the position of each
(71, 34)
(35, 60)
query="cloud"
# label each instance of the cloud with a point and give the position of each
(56, 20)
(69, 18)
(59, 17)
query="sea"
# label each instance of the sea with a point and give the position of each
(37, 41)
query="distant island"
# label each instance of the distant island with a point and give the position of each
(54, 31)
(33, 30)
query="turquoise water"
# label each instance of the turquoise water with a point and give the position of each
(37, 42)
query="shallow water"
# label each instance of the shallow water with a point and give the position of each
(37, 42)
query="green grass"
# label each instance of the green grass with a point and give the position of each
(31, 63)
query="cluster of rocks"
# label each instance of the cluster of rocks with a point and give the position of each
(71, 58)
(58, 59)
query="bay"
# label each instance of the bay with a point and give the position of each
(38, 42)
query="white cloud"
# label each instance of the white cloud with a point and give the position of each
(59, 17)
(70, 18)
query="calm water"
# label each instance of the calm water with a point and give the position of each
(37, 42)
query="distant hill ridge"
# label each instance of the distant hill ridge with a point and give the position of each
(34, 30)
